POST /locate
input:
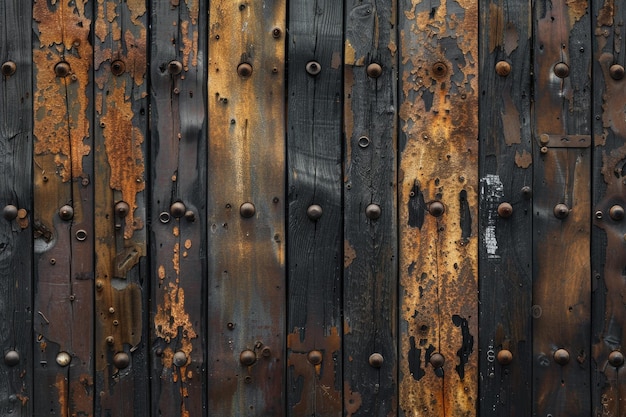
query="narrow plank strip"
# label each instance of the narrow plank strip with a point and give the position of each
(505, 209)
(370, 219)
(16, 112)
(246, 256)
(438, 208)
(561, 265)
(178, 179)
(119, 182)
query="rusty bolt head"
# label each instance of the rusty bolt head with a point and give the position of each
(616, 71)
(436, 208)
(63, 359)
(175, 67)
(111, 310)
(190, 216)
(314, 212)
(66, 212)
(376, 360)
(99, 285)
(178, 209)
(527, 191)
(110, 340)
(374, 70)
(543, 149)
(247, 357)
(180, 358)
(616, 358)
(616, 212)
(561, 356)
(561, 70)
(315, 357)
(244, 70)
(561, 211)
(276, 32)
(62, 69)
(503, 68)
(504, 357)
(121, 360)
(118, 67)
(372, 211)
(313, 67)
(10, 212)
(440, 69)
(544, 139)
(8, 68)
(505, 210)
(247, 210)
(122, 208)
(11, 358)
(437, 360)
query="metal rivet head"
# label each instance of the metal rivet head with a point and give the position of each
(121, 360)
(118, 67)
(244, 70)
(561, 211)
(372, 211)
(110, 340)
(180, 358)
(616, 358)
(122, 208)
(504, 357)
(561, 70)
(315, 357)
(62, 69)
(8, 68)
(561, 356)
(505, 210)
(437, 360)
(66, 212)
(374, 70)
(503, 68)
(247, 357)
(247, 210)
(616, 71)
(175, 67)
(364, 141)
(164, 217)
(266, 352)
(440, 69)
(616, 212)
(544, 139)
(527, 192)
(276, 32)
(543, 149)
(9, 212)
(178, 209)
(112, 310)
(376, 360)
(314, 212)
(436, 208)
(313, 68)
(190, 215)
(11, 358)
(63, 359)
(81, 235)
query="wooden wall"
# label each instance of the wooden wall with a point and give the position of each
(312, 208)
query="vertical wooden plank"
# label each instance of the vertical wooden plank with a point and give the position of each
(561, 209)
(608, 251)
(119, 183)
(246, 305)
(505, 222)
(370, 232)
(15, 199)
(63, 208)
(178, 181)
(438, 198)
(315, 210)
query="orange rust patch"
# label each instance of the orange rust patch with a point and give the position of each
(352, 401)
(524, 159)
(577, 9)
(61, 386)
(161, 272)
(349, 254)
(188, 244)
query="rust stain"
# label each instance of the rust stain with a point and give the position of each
(577, 8)
(523, 159)
(349, 254)
(606, 13)
(352, 400)
(61, 386)
(511, 38)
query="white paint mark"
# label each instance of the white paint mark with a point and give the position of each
(492, 191)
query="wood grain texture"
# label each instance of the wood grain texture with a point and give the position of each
(561, 264)
(370, 240)
(608, 252)
(505, 249)
(16, 115)
(120, 54)
(314, 178)
(438, 170)
(246, 256)
(178, 179)
(63, 305)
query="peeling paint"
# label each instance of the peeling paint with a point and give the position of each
(523, 159)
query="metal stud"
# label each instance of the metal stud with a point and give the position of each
(11, 358)
(561, 70)
(247, 210)
(561, 211)
(178, 209)
(9, 212)
(62, 69)
(66, 212)
(505, 210)
(374, 70)
(616, 71)
(110, 340)
(247, 357)
(504, 357)
(313, 67)
(118, 67)
(121, 360)
(8, 68)
(81, 235)
(561, 356)
(440, 69)
(164, 217)
(372, 211)
(244, 70)
(63, 359)
(122, 209)
(314, 212)
(376, 360)
(175, 67)
(190, 216)
(315, 357)
(616, 212)
(616, 358)
(437, 360)
(527, 191)
(180, 358)
(503, 68)
(436, 208)
(276, 32)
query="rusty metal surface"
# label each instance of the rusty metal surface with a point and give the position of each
(438, 247)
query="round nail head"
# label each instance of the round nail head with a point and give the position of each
(62, 69)
(436, 208)
(505, 210)
(313, 67)
(244, 70)
(66, 212)
(314, 212)
(437, 360)
(376, 360)
(10, 212)
(180, 358)
(247, 357)
(561, 211)
(11, 358)
(372, 211)
(63, 359)
(561, 356)
(247, 210)
(616, 212)
(561, 70)
(503, 68)
(374, 70)
(616, 358)
(616, 71)
(121, 360)
(175, 67)
(118, 67)
(315, 357)
(178, 209)
(504, 357)
(122, 208)
(8, 68)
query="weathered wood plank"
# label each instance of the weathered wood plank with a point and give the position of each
(315, 210)
(119, 182)
(561, 210)
(178, 200)
(370, 219)
(246, 256)
(63, 208)
(15, 200)
(438, 208)
(609, 199)
(505, 209)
